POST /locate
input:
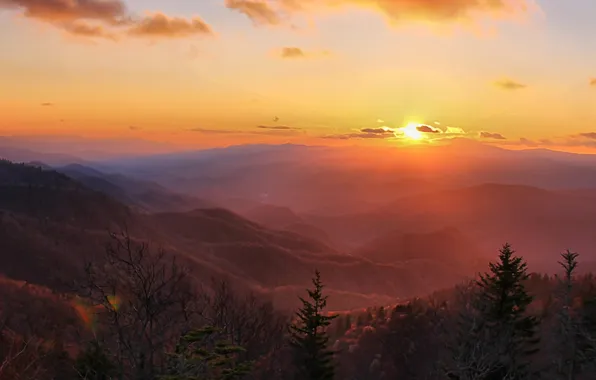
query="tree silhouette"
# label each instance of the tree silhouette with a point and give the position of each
(505, 302)
(308, 336)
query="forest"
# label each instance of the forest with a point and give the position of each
(136, 313)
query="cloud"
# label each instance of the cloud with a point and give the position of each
(47, 104)
(271, 12)
(134, 128)
(277, 131)
(375, 130)
(112, 11)
(213, 131)
(279, 128)
(454, 131)
(104, 19)
(528, 142)
(364, 133)
(593, 82)
(428, 129)
(160, 25)
(298, 53)
(508, 84)
(491, 135)
(588, 135)
(83, 29)
(292, 53)
(259, 12)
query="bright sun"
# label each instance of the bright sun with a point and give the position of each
(411, 131)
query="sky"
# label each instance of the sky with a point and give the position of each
(517, 73)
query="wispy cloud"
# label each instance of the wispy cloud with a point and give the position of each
(491, 135)
(509, 84)
(364, 133)
(292, 53)
(593, 82)
(160, 25)
(263, 130)
(259, 12)
(47, 104)
(279, 128)
(588, 135)
(428, 129)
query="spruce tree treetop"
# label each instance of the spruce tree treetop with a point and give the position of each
(308, 336)
(503, 287)
(504, 301)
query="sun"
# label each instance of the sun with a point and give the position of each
(411, 131)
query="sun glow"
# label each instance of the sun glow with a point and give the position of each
(411, 131)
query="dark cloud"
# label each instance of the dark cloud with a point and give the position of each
(279, 127)
(160, 25)
(134, 128)
(491, 135)
(292, 52)
(382, 131)
(508, 84)
(47, 104)
(259, 12)
(428, 129)
(588, 135)
(272, 11)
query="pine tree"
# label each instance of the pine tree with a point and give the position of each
(505, 302)
(309, 339)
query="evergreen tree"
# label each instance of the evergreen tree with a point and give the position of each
(505, 302)
(308, 336)
(568, 331)
(202, 354)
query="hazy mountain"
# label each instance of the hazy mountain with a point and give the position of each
(49, 219)
(143, 195)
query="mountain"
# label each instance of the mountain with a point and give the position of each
(143, 195)
(283, 218)
(17, 154)
(51, 221)
(448, 245)
(538, 223)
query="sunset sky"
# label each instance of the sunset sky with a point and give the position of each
(213, 72)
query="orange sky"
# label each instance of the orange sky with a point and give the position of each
(220, 72)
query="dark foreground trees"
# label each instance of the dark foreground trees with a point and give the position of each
(147, 320)
(496, 337)
(309, 339)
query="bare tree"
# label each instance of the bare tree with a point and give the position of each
(144, 301)
(475, 352)
(246, 320)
